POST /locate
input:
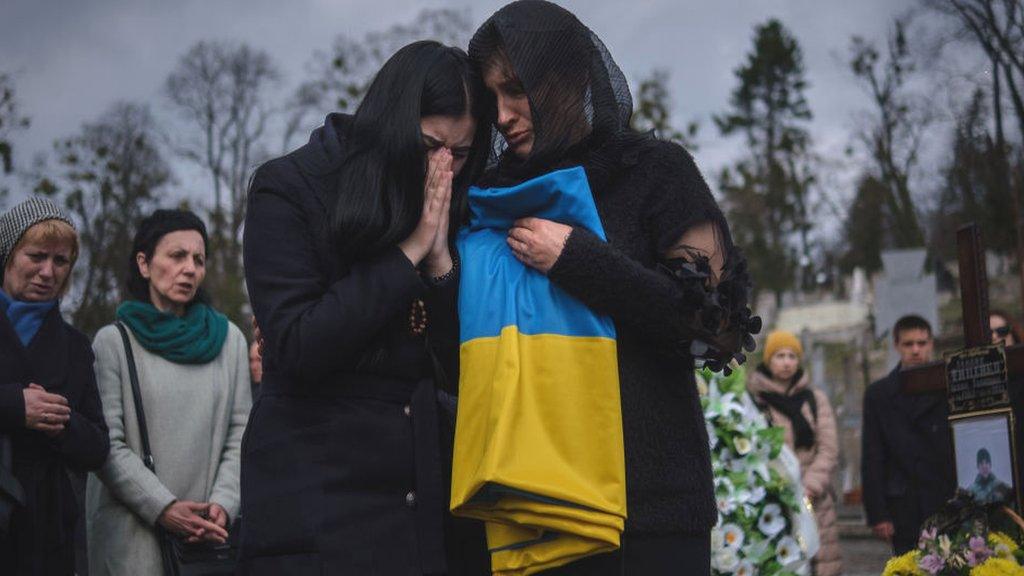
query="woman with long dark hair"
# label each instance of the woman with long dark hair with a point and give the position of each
(668, 275)
(354, 286)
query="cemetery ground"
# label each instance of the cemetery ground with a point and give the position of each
(863, 554)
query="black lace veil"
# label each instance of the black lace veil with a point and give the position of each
(579, 98)
(581, 106)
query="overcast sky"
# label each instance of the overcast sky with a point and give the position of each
(72, 59)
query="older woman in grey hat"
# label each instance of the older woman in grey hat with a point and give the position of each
(51, 421)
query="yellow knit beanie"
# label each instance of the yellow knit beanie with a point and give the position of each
(780, 339)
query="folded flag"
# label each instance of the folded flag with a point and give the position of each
(538, 440)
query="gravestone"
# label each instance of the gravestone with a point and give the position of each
(903, 288)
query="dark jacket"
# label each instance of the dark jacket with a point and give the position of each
(907, 466)
(645, 207)
(59, 359)
(342, 459)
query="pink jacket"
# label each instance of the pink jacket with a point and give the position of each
(816, 463)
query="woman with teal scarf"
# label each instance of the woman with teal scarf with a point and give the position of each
(193, 374)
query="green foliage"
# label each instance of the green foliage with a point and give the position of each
(975, 187)
(767, 194)
(866, 227)
(654, 111)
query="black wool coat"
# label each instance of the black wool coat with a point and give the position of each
(342, 466)
(59, 358)
(907, 467)
(645, 206)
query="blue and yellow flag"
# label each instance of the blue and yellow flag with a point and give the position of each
(538, 440)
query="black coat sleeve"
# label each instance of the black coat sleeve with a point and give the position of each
(313, 327)
(873, 461)
(442, 302)
(85, 441)
(611, 282)
(12, 406)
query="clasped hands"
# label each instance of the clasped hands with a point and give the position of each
(195, 521)
(536, 242)
(45, 412)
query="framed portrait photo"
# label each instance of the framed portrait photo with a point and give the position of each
(986, 456)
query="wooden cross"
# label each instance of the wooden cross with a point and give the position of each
(931, 378)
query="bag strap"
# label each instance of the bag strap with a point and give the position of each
(140, 413)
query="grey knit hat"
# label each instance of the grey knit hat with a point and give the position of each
(19, 219)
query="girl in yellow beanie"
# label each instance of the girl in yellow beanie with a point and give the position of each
(783, 392)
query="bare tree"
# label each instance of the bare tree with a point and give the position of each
(222, 93)
(894, 128)
(108, 176)
(11, 120)
(340, 76)
(997, 28)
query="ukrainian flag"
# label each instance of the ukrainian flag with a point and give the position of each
(538, 439)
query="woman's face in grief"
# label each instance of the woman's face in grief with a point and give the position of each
(1001, 333)
(515, 121)
(783, 364)
(38, 270)
(455, 134)
(175, 271)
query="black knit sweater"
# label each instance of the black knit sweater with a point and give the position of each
(645, 208)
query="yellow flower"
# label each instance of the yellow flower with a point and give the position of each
(1002, 543)
(998, 567)
(905, 565)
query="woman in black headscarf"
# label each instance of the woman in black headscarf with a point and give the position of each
(669, 276)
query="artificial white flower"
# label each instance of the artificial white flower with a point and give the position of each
(743, 445)
(787, 551)
(733, 535)
(746, 568)
(758, 494)
(725, 505)
(717, 537)
(771, 521)
(725, 560)
(741, 496)
(712, 437)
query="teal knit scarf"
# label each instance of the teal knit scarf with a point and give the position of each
(195, 338)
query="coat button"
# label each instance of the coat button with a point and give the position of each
(407, 410)
(410, 499)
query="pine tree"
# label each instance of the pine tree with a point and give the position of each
(769, 109)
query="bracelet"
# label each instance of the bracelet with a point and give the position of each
(444, 278)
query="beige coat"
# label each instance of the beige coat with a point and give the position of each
(816, 463)
(195, 414)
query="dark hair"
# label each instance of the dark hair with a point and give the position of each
(984, 456)
(1015, 329)
(148, 234)
(381, 179)
(910, 322)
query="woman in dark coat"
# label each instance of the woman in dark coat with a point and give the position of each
(51, 423)
(669, 275)
(354, 287)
